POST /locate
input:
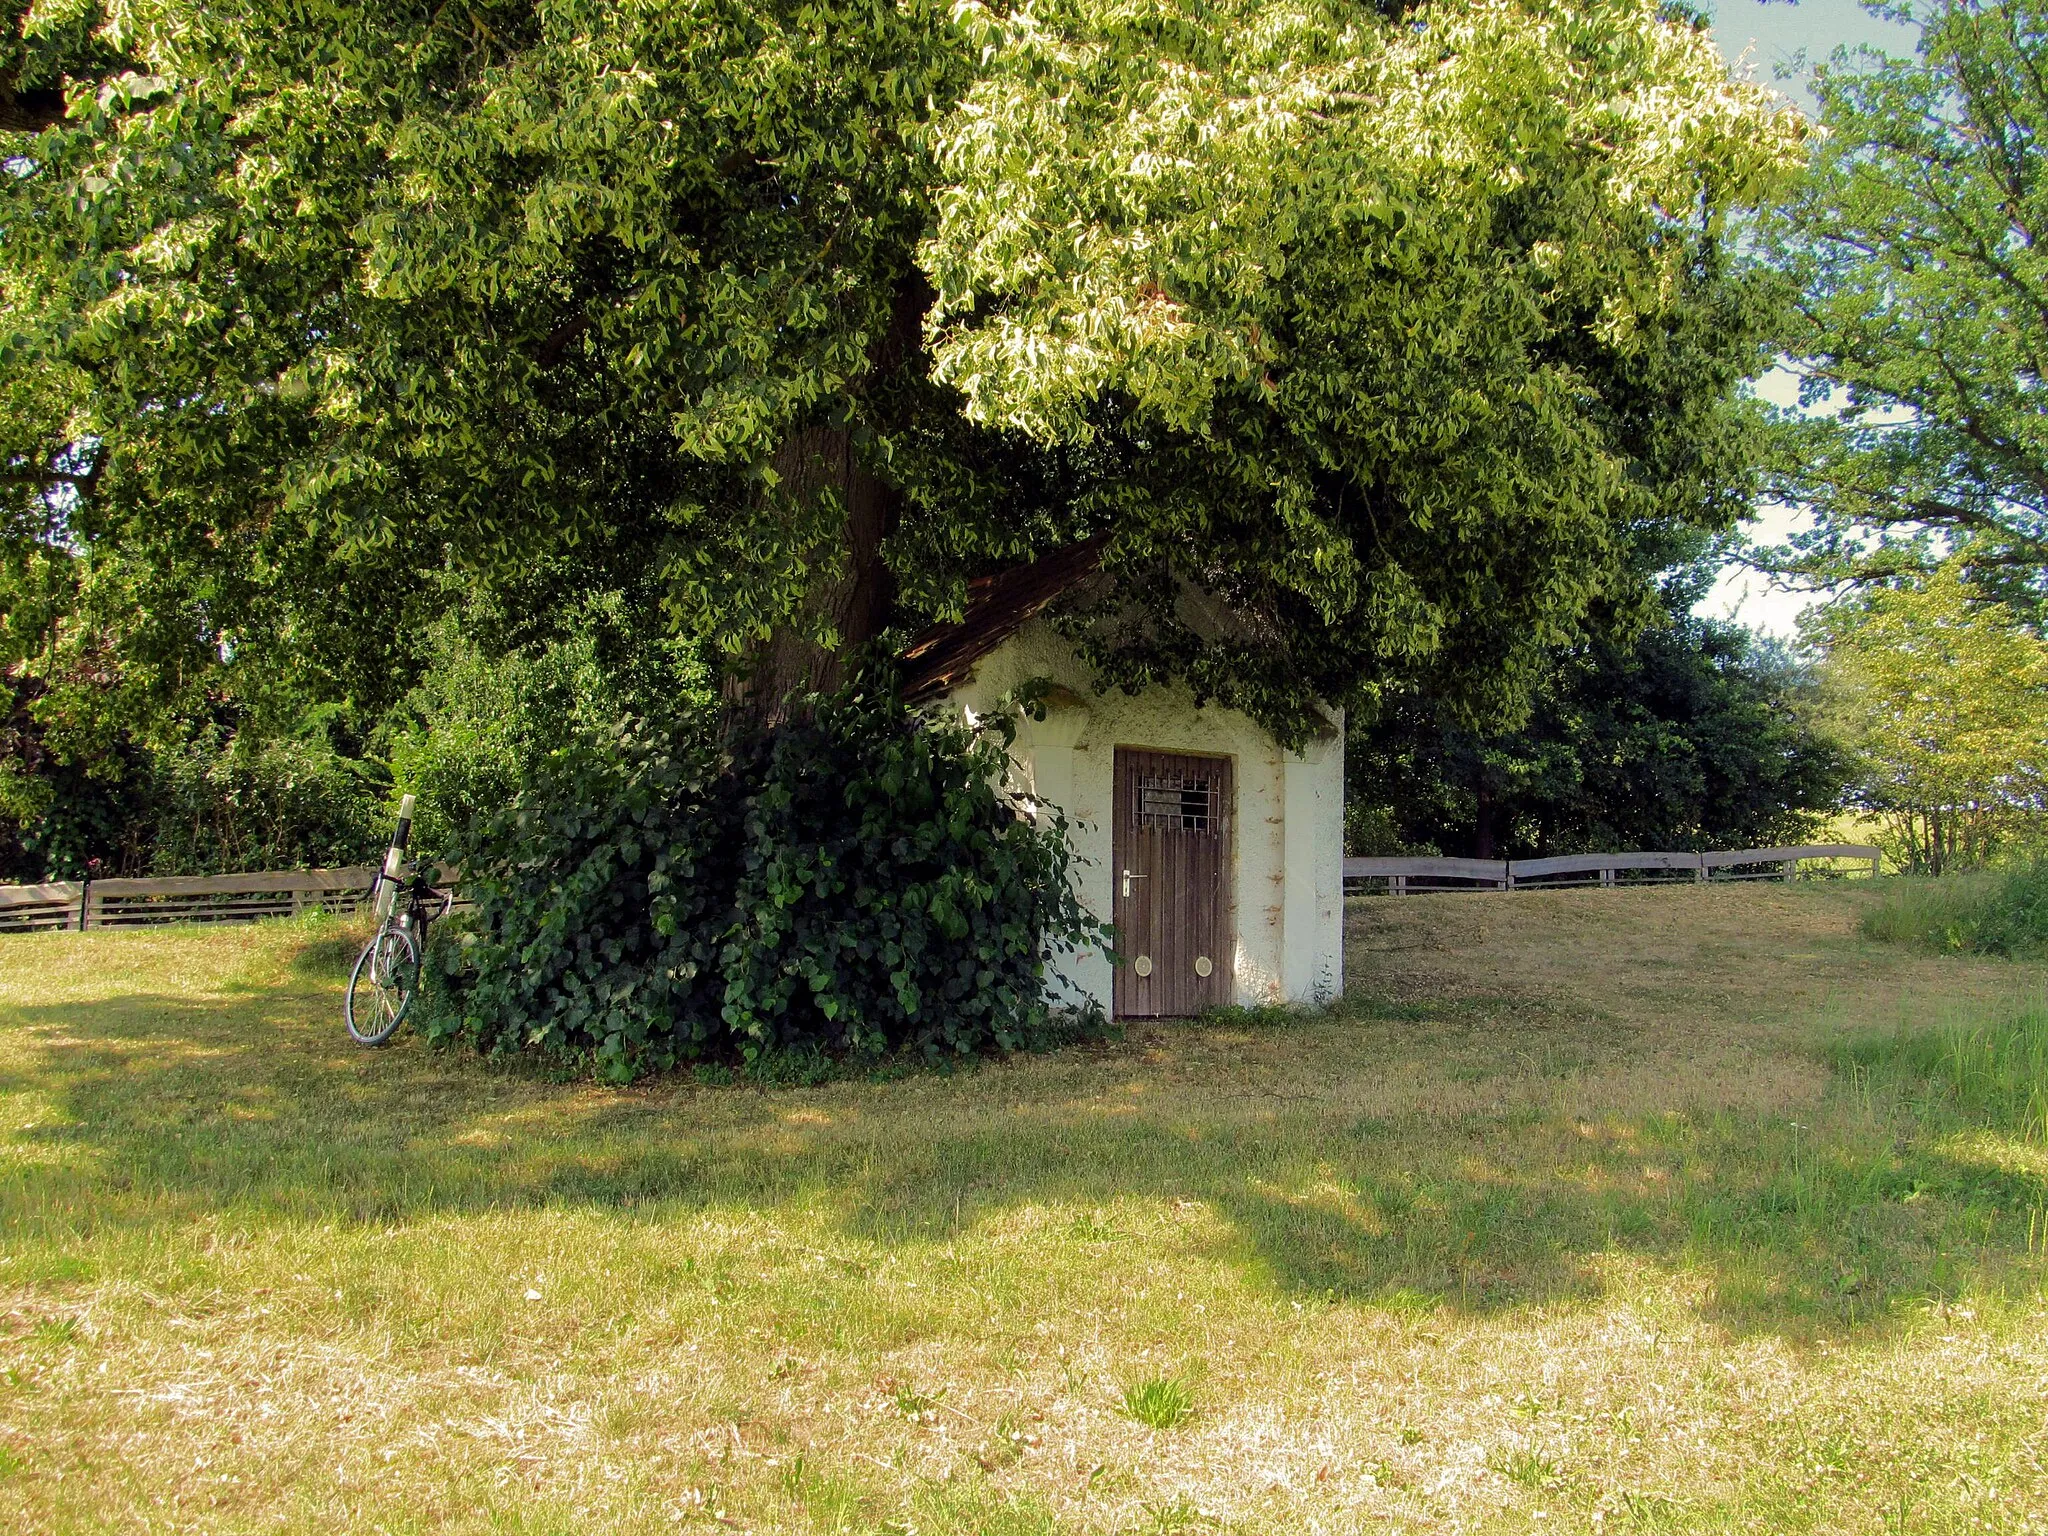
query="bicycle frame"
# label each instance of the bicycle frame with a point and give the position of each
(385, 894)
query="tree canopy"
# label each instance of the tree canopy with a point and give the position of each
(1367, 336)
(1919, 244)
(1943, 695)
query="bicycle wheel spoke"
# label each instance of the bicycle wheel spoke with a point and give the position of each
(388, 971)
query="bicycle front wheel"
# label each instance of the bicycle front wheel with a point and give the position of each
(381, 987)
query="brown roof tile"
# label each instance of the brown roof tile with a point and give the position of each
(943, 657)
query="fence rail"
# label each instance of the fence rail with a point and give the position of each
(26, 907)
(1401, 876)
(289, 893)
(182, 899)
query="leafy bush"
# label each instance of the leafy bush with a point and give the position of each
(230, 801)
(74, 793)
(65, 820)
(463, 738)
(218, 800)
(1692, 734)
(1989, 914)
(857, 883)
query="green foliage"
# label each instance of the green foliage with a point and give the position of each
(241, 765)
(1920, 245)
(1414, 323)
(1943, 694)
(478, 718)
(1163, 1402)
(1374, 334)
(856, 883)
(235, 801)
(1985, 914)
(88, 788)
(64, 816)
(145, 739)
(1691, 735)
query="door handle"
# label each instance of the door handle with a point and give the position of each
(1129, 876)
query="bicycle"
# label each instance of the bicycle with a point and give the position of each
(387, 972)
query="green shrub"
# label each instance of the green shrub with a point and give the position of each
(66, 820)
(1986, 914)
(230, 801)
(857, 884)
(464, 737)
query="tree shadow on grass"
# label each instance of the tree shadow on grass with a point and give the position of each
(168, 1110)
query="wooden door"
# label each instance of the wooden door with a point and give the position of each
(1171, 841)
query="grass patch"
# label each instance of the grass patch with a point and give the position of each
(2002, 914)
(1162, 1402)
(1580, 1215)
(1989, 1071)
(1526, 1466)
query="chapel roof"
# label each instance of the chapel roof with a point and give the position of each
(943, 657)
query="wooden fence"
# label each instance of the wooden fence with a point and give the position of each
(243, 898)
(182, 899)
(1400, 876)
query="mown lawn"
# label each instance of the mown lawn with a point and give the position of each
(1570, 1220)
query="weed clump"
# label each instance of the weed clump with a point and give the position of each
(1164, 1402)
(1990, 914)
(1993, 1072)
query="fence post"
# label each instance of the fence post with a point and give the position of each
(84, 895)
(1790, 869)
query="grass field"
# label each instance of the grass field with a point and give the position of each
(1631, 1210)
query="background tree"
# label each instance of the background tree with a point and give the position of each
(1944, 696)
(1369, 344)
(1688, 734)
(1919, 244)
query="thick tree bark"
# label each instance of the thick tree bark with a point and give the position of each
(857, 599)
(1482, 832)
(855, 602)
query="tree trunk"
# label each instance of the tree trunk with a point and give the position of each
(853, 596)
(852, 600)
(1482, 833)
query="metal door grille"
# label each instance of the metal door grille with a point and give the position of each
(1175, 804)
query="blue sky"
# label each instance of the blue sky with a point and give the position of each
(1769, 40)
(1777, 33)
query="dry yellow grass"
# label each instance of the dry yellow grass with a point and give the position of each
(1565, 1223)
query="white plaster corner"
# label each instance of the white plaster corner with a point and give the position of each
(1329, 735)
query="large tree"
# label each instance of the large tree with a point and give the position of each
(1919, 243)
(1369, 337)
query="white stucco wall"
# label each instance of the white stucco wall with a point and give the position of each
(1287, 854)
